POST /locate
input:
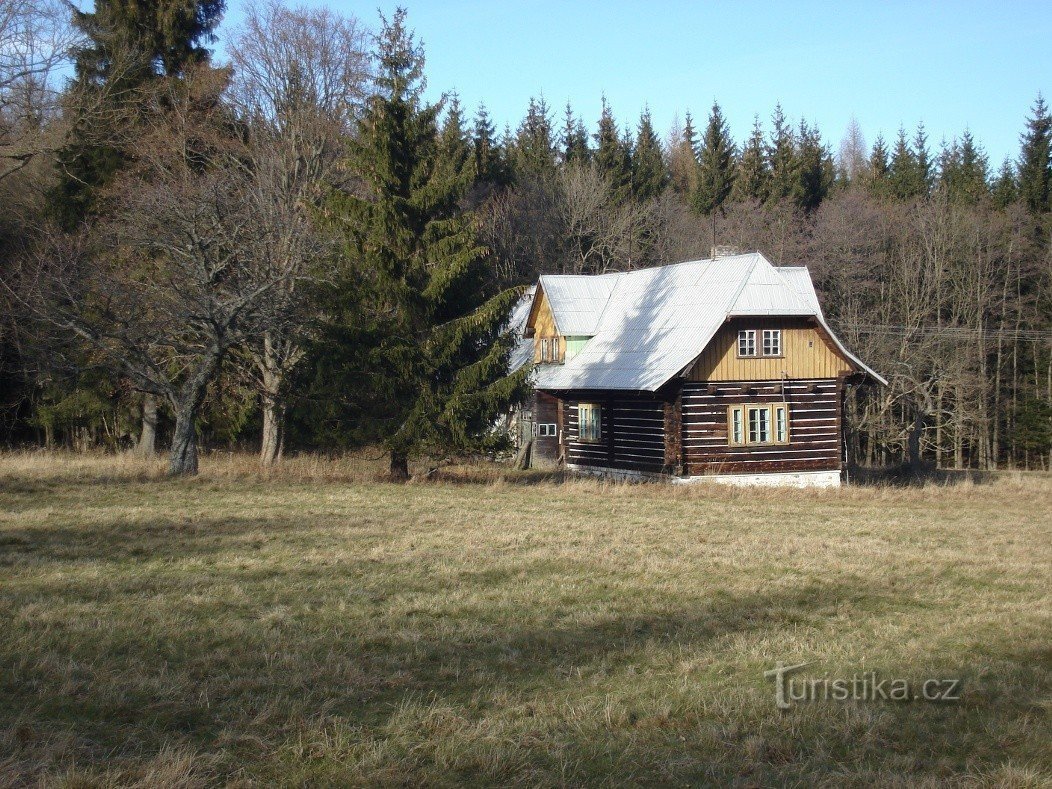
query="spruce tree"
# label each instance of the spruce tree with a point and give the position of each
(534, 151)
(964, 169)
(436, 351)
(781, 155)
(490, 167)
(716, 168)
(690, 135)
(903, 172)
(878, 181)
(574, 138)
(814, 166)
(1004, 189)
(649, 177)
(923, 161)
(127, 44)
(454, 150)
(683, 158)
(612, 157)
(753, 178)
(1035, 159)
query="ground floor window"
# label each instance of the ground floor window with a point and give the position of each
(589, 422)
(547, 430)
(758, 424)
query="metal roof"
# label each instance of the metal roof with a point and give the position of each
(522, 351)
(648, 325)
(577, 301)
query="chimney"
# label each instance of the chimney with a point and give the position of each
(723, 251)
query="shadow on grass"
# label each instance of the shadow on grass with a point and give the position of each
(582, 687)
(902, 475)
(539, 671)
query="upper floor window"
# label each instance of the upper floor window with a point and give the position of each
(549, 349)
(747, 342)
(772, 342)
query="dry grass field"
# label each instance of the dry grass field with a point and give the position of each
(315, 626)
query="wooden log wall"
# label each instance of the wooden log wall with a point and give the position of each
(633, 429)
(814, 426)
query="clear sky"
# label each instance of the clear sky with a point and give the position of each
(952, 65)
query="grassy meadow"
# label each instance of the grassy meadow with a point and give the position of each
(316, 626)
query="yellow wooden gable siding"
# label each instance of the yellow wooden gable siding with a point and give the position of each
(806, 353)
(542, 321)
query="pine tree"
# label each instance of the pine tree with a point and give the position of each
(1004, 189)
(128, 43)
(903, 173)
(815, 169)
(1035, 159)
(534, 152)
(716, 168)
(753, 179)
(437, 356)
(649, 177)
(612, 157)
(575, 138)
(781, 155)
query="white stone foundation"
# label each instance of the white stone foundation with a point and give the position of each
(786, 479)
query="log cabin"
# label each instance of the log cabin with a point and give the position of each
(722, 369)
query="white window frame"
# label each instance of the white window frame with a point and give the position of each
(589, 423)
(772, 420)
(548, 430)
(772, 342)
(758, 424)
(736, 425)
(780, 421)
(747, 343)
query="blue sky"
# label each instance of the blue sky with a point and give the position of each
(954, 65)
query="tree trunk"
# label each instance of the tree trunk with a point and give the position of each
(399, 466)
(916, 462)
(271, 450)
(182, 460)
(273, 418)
(147, 443)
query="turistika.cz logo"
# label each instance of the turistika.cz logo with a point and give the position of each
(862, 686)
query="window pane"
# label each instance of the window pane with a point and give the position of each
(754, 424)
(765, 428)
(736, 425)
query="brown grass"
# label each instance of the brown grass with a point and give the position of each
(312, 625)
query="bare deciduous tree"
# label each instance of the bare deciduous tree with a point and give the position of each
(300, 76)
(36, 40)
(167, 288)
